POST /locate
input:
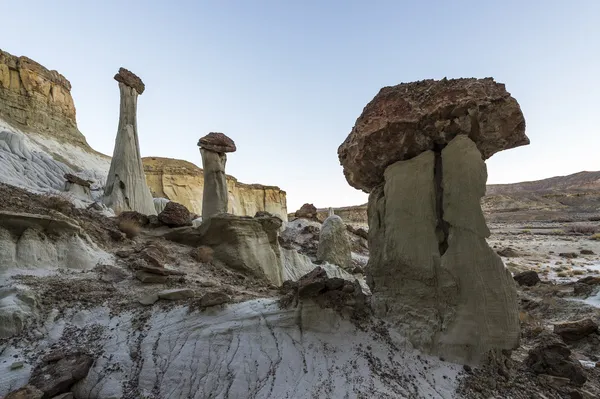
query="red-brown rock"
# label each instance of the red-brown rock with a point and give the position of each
(405, 120)
(175, 215)
(130, 79)
(217, 142)
(307, 211)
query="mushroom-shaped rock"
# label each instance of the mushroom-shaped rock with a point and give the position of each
(213, 147)
(217, 142)
(419, 149)
(126, 188)
(405, 120)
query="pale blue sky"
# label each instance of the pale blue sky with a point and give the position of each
(287, 79)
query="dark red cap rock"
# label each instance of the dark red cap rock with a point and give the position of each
(217, 142)
(130, 79)
(405, 120)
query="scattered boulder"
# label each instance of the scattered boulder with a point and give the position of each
(508, 252)
(576, 330)
(551, 356)
(568, 255)
(213, 299)
(587, 252)
(150, 278)
(313, 283)
(176, 294)
(148, 299)
(334, 246)
(527, 278)
(589, 280)
(359, 231)
(406, 120)
(27, 392)
(59, 373)
(134, 217)
(71, 178)
(307, 211)
(175, 215)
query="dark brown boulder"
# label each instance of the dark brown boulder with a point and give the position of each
(130, 79)
(528, 278)
(71, 178)
(307, 211)
(217, 142)
(59, 373)
(576, 330)
(551, 356)
(175, 215)
(405, 120)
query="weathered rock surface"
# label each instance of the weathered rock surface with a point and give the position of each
(431, 270)
(405, 120)
(36, 99)
(334, 246)
(553, 357)
(176, 294)
(175, 215)
(27, 392)
(528, 278)
(58, 375)
(214, 195)
(307, 211)
(576, 330)
(130, 79)
(183, 182)
(126, 188)
(239, 242)
(217, 142)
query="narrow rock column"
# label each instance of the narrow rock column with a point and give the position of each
(126, 188)
(212, 150)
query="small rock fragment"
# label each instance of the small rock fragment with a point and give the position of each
(176, 294)
(213, 299)
(148, 299)
(17, 365)
(568, 255)
(150, 278)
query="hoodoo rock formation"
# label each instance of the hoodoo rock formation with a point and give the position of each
(419, 149)
(126, 188)
(213, 147)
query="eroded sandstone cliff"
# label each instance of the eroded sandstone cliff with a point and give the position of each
(36, 99)
(183, 182)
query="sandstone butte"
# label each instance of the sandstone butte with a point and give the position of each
(405, 120)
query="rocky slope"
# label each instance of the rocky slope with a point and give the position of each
(183, 182)
(40, 143)
(572, 197)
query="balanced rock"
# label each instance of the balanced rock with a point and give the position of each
(334, 245)
(213, 147)
(126, 188)
(175, 215)
(405, 120)
(217, 142)
(419, 149)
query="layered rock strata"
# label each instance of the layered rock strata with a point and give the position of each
(431, 271)
(126, 188)
(214, 196)
(183, 182)
(34, 98)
